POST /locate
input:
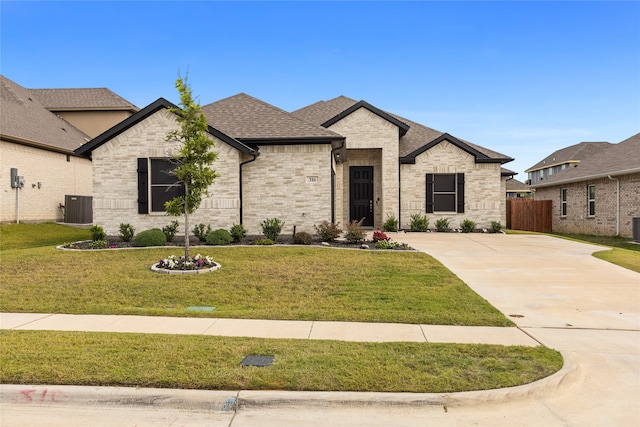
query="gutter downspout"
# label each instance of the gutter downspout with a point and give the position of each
(399, 195)
(617, 203)
(240, 187)
(333, 182)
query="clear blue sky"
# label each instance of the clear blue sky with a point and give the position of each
(521, 78)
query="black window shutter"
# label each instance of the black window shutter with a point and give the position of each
(429, 193)
(143, 185)
(460, 191)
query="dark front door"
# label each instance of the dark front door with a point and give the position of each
(361, 194)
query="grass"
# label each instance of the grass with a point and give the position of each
(624, 252)
(277, 282)
(258, 282)
(201, 362)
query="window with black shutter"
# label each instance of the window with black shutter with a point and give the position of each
(156, 184)
(445, 192)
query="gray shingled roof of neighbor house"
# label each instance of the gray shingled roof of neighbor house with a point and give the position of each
(618, 159)
(246, 118)
(416, 137)
(82, 99)
(513, 185)
(26, 121)
(573, 153)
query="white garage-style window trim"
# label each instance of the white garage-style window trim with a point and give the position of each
(591, 200)
(563, 202)
(445, 192)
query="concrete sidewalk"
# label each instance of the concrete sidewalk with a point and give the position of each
(313, 330)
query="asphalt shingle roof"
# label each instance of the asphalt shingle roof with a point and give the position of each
(577, 152)
(246, 118)
(81, 99)
(616, 159)
(25, 120)
(416, 137)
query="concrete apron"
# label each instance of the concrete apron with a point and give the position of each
(566, 299)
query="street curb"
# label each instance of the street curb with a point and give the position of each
(228, 401)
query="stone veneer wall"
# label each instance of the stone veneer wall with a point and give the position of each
(604, 221)
(289, 182)
(370, 141)
(57, 175)
(484, 189)
(115, 179)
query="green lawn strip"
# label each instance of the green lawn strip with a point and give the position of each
(21, 236)
(276, 282)
(622, 257)
(202, 362)
(624, 252)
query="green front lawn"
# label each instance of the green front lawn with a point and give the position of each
(255, 282)
(275, 282)
(202, 362)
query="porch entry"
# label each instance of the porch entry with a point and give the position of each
(361, 194)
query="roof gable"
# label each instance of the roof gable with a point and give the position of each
(26, 121)
(403, 127)
(141, 115)
(480, 157)
(254, 121)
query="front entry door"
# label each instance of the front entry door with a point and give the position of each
(361, 194)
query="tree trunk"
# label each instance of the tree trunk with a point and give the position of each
(186, 222)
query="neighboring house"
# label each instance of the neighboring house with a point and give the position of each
(337, 161)
(39, 131)
(518, 189)
(562, 159)
(599, 195)
(92, 110)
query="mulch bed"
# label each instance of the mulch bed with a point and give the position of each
(115, 242)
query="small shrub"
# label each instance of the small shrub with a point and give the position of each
(218, 237)
(271, 228)
(200, 231)
(328, 231)
(355, 233)
(442, 224)
(127, 232)
(153, 237)
(98, 244)
(264, 242)
(170, 231)
(379, 236)
(387, 244)
(97, 233)
(391, 224)
(468, 226)
(238, 232)
(419, 222)
(302, 238)
(496, 227)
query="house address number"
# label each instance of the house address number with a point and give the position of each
(312, 179)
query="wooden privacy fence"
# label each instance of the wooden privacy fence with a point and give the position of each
(529, 215)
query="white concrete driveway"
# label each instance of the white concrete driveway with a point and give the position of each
(570, 301)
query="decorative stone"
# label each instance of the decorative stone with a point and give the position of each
(200, 271)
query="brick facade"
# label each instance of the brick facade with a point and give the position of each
(57, 173)
(604, 221)
(115, 179)
(484, 189)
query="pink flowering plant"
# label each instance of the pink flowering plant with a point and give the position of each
(197, 262)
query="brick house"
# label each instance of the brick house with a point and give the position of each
(39, 143)
(598, 195)
(336, 160)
